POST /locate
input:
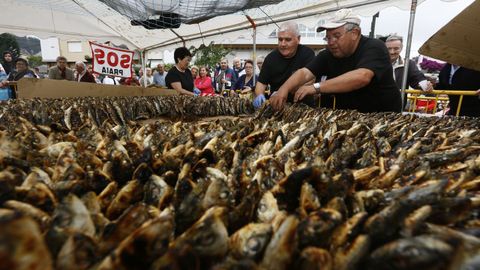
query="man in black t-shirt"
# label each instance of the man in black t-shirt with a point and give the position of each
(353, 68)
(280, 64)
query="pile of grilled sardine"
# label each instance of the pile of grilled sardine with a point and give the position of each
(89, 184)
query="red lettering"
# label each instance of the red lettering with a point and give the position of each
(112, 62)
(99, 55)
(125, 61)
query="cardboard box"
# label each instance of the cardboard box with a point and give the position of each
(458, 41)
(45, 88)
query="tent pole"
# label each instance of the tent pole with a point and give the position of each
(143, 56)
(254, 37)
(407, 52)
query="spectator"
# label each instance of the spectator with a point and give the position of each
(39, 75)
(204, 82)
(8, 62)
(237, 67)
(224, 77)
(260, 60)
(283, 62)
(61, 71)
(132, 81)
(148, 80)
(95, 75)
(454, 77)
(245, 82)
(179, 77)
(356, 69)
(82, 73)
(415, 78)
(110, 79)
(5, 92)
(195, 72)
(21, 71)
(159, 76)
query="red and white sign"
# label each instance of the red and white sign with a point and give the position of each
(111, 61)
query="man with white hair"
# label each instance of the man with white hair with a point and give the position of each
(82, 73)
(353, 68)
(237, 67)
(415, 77)
(159, 76)
(289, 57)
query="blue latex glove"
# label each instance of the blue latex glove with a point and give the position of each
(258, 101)
(196, 91)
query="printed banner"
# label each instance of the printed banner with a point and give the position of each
(111, 61)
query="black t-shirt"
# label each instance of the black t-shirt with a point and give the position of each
(381, 94)
(277, 69)
(185, 78)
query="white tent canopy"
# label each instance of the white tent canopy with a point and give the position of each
(458, 41)
(93, 20)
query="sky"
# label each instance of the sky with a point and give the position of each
(431, 15)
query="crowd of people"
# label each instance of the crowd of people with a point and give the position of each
(353, 72)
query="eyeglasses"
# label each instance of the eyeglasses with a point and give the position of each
(335, 37)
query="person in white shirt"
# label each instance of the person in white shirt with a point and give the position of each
(148, 77)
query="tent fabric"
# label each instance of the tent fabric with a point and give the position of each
(93, 20)
(458, 41)
(167, 13)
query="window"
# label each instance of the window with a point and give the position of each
(74, 46)
(307, 31)
(273, 34)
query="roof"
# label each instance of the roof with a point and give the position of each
(110, 20)
(458, 41)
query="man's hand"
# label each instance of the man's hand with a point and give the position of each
(246, 89)
(303, 91)
(429, 87)
(426, 86)
(258, 101)
(477, 92)
(278, 100)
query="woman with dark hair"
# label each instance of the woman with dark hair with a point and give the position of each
(22, 71)
(204, 82)
(245, 82)
(179, 76)
(7, 62)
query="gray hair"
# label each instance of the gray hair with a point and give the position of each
(261, 58)
(289, 27)
(81, 63)
(394, 37)
(351, 26)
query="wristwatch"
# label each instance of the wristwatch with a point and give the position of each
(316, 86)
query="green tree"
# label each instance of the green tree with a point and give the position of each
(209, 55)
(35, 60)
(8, 42)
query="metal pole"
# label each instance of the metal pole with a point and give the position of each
(254, 37)
(143, 56)
(407, 52)
(372, 26)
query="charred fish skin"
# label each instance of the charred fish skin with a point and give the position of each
(19, 232)
(412, 253)
(149, 183)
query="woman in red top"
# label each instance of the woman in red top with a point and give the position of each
(204, 82)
